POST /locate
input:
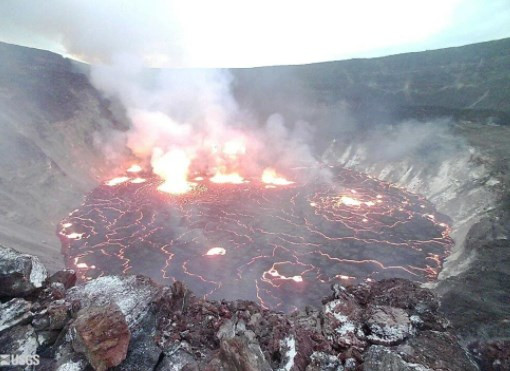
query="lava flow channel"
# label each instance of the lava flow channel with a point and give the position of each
(282, 246)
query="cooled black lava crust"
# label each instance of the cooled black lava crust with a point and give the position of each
(282, 246)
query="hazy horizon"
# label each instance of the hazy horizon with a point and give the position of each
(229, 34)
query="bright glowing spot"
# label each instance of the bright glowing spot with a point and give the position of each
(233, 178)
(138, 180)
(313, 204)
(442, 224)
(269, 176)
(344, 277)
(173, 167)
(379, 196)
(273, 272)
(365, 220)
(134, 169)
(199, 178)
(430, 216)
(116, 181)
(234, 147)
(348, 201)
(67, 225)
(82, 265)
(270, 186)
(370, 203)
(422, 206)
(353, 191)
(75, 236)
(216, 251)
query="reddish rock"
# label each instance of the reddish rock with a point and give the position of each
(102, 334)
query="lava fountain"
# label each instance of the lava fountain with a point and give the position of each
(270, 239)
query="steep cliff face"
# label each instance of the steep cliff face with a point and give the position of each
(50, 117)
(469, 82)
(463, 183)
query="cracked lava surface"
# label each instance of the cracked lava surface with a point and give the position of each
(279, 245)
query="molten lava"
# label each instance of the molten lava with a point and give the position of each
(234, 148)
(216, 251)
(232, 178)
(173, 167)
(283, 246)
(269, 176)
(116, 181)
(349, 201)
(134, 169)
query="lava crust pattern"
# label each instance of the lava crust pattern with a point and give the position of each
(282, 246)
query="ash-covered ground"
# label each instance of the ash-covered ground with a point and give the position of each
(282, 246)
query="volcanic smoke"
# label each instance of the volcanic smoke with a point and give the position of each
(238, 209)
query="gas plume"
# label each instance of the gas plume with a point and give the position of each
(186, 123)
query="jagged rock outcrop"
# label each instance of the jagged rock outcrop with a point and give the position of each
(102, 334)
(20, 274)
(129, 322)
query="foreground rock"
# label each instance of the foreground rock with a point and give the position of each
(20, 274)
(102, 334)
(130, 323)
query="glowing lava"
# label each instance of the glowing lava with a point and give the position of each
(173, 167)
(286, 244)
(216, 251)
(349, 201)
(234, 148)
(269, 176)
(138, 180)
(134, 169)
(232, 178)
(116, 181)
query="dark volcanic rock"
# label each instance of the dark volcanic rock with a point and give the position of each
(54, 317)
(387, 325)
(143, 352)
(242, 353)
(20, 274)
(492, 355)
(14, 312)
(477, 300)
(66, 277)
(436, 350)
(320, 361)
(19, 340)
(132, 294)
(179, 358)
(102, 334)
(403, 294)
(130, 323)
(379, 358)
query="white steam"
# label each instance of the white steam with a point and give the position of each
(195, 112)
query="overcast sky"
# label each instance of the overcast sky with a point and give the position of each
(237, 33)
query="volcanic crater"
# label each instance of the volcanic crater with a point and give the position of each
(280, 245)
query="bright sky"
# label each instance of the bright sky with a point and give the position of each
(237, 33)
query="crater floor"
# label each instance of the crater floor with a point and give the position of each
(282, 246)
